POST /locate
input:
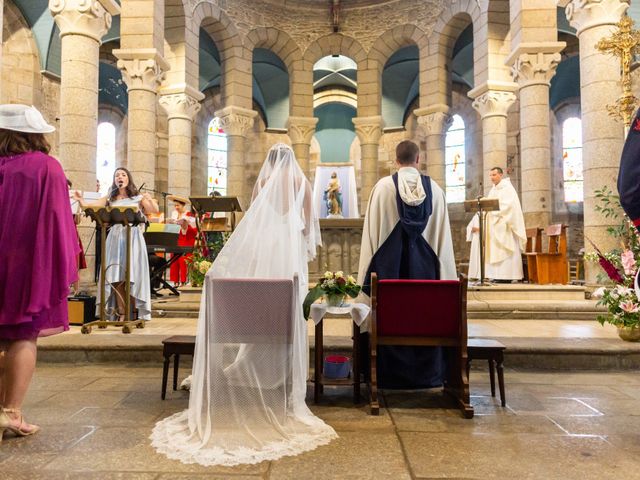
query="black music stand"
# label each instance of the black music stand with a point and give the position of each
(480, 206)
(129, 217)
(202, 205)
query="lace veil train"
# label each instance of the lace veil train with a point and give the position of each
(247, 401)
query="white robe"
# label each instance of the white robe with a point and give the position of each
(506, 235)
(382, 216)
(474, 254)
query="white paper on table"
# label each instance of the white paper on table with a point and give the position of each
(87, 198)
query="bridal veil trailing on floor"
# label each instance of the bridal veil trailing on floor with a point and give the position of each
(247, 400)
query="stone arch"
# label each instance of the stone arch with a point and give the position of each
(284, 47)
(236, 72)
(20, 59)
(176, 18)
(394, 39)
(450, 24)
(332, 44)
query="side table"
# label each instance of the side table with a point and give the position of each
(358, 313)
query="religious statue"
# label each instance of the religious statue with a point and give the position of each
(333, 197)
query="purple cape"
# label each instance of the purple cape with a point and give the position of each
(38, 246)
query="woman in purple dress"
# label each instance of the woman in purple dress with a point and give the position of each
(38, 254)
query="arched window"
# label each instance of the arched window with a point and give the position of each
(105, 155)
(455, 161)
(572, 160)
(217, 158)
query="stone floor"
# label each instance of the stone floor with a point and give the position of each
(96, 420)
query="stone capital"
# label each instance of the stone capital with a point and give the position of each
(301, 129)
(89, 18)
(368, 129)
(433, 120)
(236, 121)
(493, 103)
(586, 14)
(142, 69)
(535, 63)
(181, 102)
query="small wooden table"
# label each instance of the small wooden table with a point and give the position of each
(319, 379)
(176, 345)
(493, 351)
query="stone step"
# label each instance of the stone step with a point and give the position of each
(476, 309)
(522, 292)
(526, 353)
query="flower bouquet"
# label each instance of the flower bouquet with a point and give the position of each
(198, 268)
(335, 287)
(620, 266)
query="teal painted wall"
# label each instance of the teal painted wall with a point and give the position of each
(335, 131)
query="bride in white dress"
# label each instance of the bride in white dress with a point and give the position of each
(238, 413)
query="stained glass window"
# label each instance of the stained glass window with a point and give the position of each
(572, 160)
(105, 156)
(217, 158)
(455, 161)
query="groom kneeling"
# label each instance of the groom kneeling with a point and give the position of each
(406, 235)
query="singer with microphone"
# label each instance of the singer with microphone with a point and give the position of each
(124, 193)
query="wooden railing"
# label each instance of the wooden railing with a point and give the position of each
(340, 247)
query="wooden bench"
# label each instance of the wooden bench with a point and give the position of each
(534, 246)
(493, 351)
(176, 346)
(550, 266)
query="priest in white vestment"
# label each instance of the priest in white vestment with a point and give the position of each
(506, 236)
(406, 235)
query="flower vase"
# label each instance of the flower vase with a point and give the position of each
(334, 300)
(629, 334)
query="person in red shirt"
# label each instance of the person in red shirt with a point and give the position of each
(186, 238)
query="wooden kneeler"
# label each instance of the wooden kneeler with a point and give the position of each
(438, 318)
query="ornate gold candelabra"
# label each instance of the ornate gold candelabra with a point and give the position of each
(623, 44)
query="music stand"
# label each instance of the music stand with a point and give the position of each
(202, 205)
(480, 206)
(129, 217)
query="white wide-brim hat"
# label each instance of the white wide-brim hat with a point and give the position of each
(23, 118)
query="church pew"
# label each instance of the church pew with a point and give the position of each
(552, 266)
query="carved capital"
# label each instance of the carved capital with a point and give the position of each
(494, 103)
(236, 121)
(368, 129)
(585, 14)
(535, 68)
(301, 129)
(181, 102)
(90, 18)
(435, 123)
(142, 69)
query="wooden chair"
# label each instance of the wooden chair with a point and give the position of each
(534, 246)
(493, 352)
(551, 266)
(422, 313)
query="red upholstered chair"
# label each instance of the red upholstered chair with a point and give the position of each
(422, 313)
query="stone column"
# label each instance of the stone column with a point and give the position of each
(301, 130)
(369, 131)
(493, 104)
(434, 121)
(82, 24)
(533, 68)
(236, 123)
(602, 137)
(142, 70)
(181, 105)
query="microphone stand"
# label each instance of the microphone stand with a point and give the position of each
(164, 198)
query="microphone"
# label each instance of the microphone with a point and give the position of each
(142, 186)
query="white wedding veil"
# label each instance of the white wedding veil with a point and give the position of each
(247, 399)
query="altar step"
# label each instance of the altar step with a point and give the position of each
(538, 309)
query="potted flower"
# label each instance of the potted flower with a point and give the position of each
(620, 266)
(198, 268)
(335, 287)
